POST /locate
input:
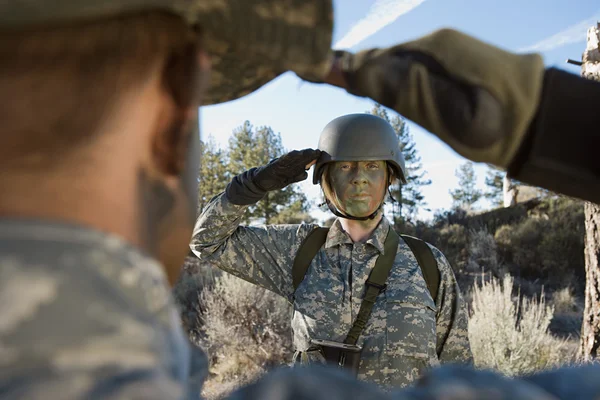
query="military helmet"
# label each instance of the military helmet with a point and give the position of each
(360, 137)
(250, 42)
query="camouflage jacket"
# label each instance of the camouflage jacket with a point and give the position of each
(408, 331)
(83, 315)
(449, 382)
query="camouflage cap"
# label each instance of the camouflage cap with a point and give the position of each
(250, 41)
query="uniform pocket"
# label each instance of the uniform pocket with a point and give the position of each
(318, 302)
(318, 293)
(410, 325)
(321, 284)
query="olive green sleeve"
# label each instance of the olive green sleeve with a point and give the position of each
(477, 98)
(262, 255)
(560, 150)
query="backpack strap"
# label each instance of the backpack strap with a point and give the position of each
(307, 251)
(375, 284)
(315, 240)
(426, 261)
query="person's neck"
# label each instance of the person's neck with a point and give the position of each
(360, 231)
(74, 198)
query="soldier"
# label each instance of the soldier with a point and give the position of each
(98, 164)
(416, 322)
(99, 161)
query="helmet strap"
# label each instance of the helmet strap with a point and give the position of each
(392, 196)
(338, 213)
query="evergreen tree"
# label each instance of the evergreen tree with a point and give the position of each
(253, 147)
(409, 196)
(214, 176)
(467, 194)
(494, 181)
(295, 213)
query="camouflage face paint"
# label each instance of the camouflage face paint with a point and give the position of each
(358, 186)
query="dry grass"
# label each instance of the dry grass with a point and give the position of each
(511, 335)
(245, 329)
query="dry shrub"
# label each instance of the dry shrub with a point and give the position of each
(564, 300)
(547, 245)
(246, 330)
(452, 240)
(194, 278)
(511, 335)
(483, 254)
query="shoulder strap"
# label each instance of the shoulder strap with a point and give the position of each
(426, 261)
(376, 281)
(375, 284)
(307, 251)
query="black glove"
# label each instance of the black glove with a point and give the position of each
(252, 185)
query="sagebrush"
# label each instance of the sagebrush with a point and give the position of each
(511, 335)
(245, 329)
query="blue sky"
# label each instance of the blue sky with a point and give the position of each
(299, 110)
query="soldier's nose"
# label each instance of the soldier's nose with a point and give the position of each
(359, 179)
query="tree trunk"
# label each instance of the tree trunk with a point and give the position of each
(590, 329)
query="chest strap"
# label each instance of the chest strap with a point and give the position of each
(375, 284)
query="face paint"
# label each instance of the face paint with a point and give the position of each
(358, 186)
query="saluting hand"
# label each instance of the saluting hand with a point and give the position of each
(252, 185)
(287, 169)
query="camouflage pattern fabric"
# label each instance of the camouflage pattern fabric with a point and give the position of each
(408, 332)
(487, 125)
(250, 41)
(442, 383)
(85, 315)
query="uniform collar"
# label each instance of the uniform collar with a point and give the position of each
(338, 236)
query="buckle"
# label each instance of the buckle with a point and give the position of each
(381, 288)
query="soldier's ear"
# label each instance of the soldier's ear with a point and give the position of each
(169, 140)
(184, 80)
(390, 175)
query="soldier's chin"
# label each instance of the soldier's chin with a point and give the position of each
(360, 212)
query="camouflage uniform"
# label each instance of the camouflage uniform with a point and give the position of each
(85, 315)
(408, 331)
(445, 383)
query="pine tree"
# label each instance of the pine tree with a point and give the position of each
(409, 196)
(295, 213)
(213, 172)
(466, 195)
(253, 147)
(494, 181)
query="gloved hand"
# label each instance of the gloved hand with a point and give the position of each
(477, 98)
(252, 185)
